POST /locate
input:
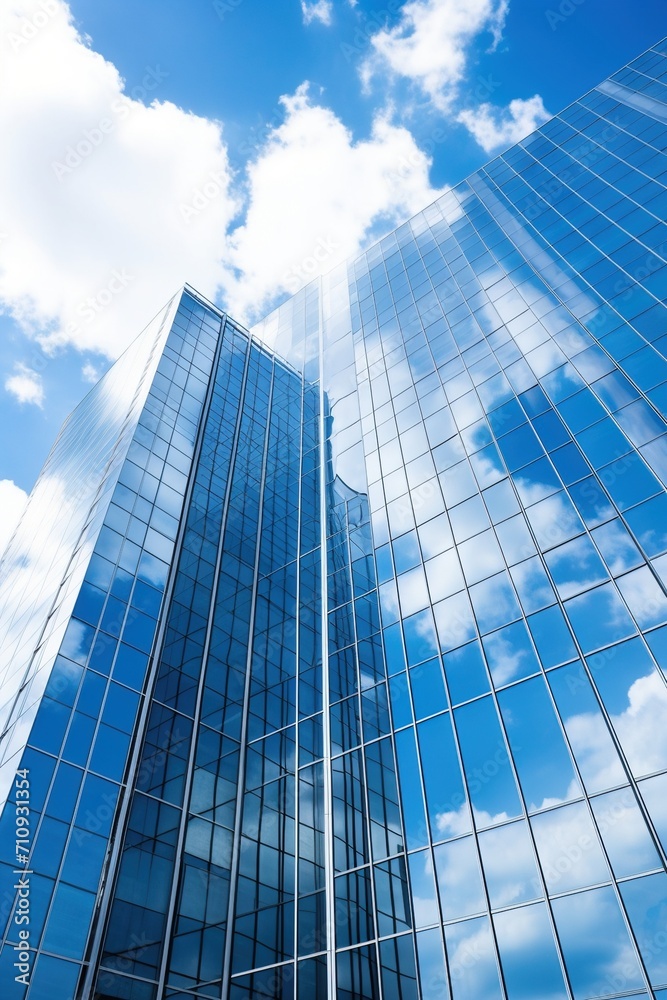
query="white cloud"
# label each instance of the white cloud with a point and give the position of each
(597, 944)
(317, 10)
(493, 127)
(591, 742)
(471, 957)
(568, 848)
(429, 44)
(454, 822)
(12, 502)
(573, 792)
(461, 892)
(316, 196)
(26, 385)
(640, 729)
(509, 865)
(91, 374)
(111, 200)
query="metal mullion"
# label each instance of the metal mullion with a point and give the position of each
(189, 776)
(328, 810)
(413, 726)
(498, 194)
(240, 785)
(297, 673)
(117, 838)
(492, 690)
(632, 779)
(587, 531)
(362, 754)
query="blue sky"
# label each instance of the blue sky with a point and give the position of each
(223, 142)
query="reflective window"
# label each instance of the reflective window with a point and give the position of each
(459, 879)
(445, 793)
(431, 959)
(422, 883)
(470, 978)
(585, 725)
(624, 833)
(491, 784)
(569, 849)
(631, 688)
(508, 860)
(575, 567)
(510, 654)
(595, 943)
(528, 954)
(466, 673)
(645, 901)
(540, 754)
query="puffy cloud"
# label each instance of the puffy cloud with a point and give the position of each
(317, 10)
(25, 385)
(316, 196)
(111, 200)
(454, 822)
(509, 864)
(641, 728)
(591, 742)
(471, 956)
(568, 848)
(429, 44)
(493, 127)
(457, 866)
(12, 502)
(91, 374)
(596, 943)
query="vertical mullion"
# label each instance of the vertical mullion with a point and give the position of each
(236, 847)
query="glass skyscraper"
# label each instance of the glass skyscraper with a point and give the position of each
(333, 655)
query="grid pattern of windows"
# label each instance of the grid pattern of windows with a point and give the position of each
(360, 690)
(80, 741)
(43, 567)
(510, 346)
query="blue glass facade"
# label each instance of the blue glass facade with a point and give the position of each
(343, 674)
